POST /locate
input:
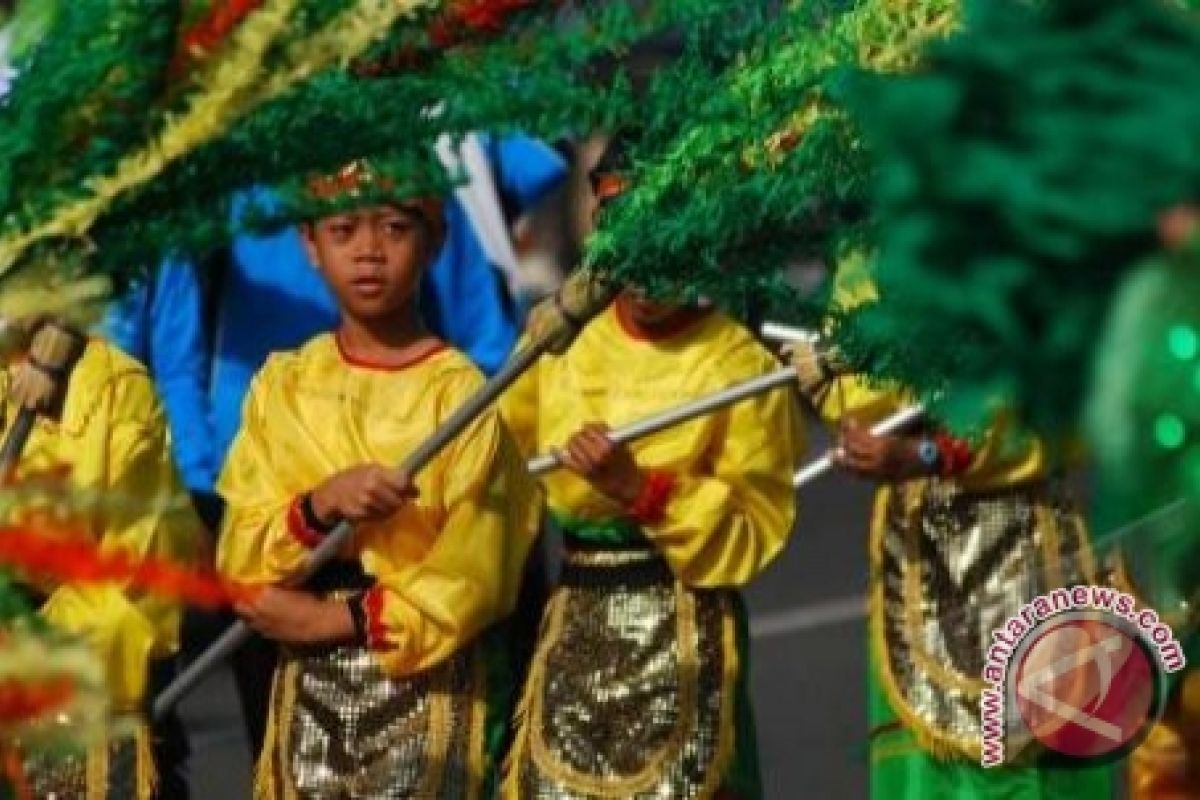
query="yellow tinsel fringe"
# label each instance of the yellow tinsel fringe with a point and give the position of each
(890, 35)
(234, 85)
(211, 109)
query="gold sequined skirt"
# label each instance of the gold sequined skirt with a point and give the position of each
(631, 690)
(949, 567)
(340, 729)
(121, 769)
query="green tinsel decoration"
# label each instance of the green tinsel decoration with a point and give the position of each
(85, 94)
(1143, 413)
(1143, 424)
(1021, 174)
(764, 169)
(527, 79)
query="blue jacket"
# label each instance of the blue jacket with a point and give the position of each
(271, 298)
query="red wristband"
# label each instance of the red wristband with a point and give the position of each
(650, 505)
(955, 454)
(372, 603)
(298, 526)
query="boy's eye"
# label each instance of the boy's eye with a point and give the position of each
(341, 230)
(397, 228)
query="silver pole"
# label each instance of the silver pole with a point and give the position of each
(778, 332)
(542, 464)
(891, 424)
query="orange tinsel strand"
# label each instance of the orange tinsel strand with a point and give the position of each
(79, 560)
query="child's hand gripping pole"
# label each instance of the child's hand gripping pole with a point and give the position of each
(38, 384)
(682, 413)
(901, 419)
(816, 368)
(553, 327)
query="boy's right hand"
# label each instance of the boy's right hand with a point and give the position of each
(365, 493)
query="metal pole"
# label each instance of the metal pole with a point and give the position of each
(681, 413)
(891, 424)
(778, 332)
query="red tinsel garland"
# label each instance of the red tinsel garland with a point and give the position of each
(465, 16)
(455, 26)
(212, 29)
(79, 560)
(23, 700)
(460, 19)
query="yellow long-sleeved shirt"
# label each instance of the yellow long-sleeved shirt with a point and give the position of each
(447, 564)
(733, 505)
(112, 444)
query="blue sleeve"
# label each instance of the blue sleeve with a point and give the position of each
(526, 169)
(124, 322)
(179, 361)
(463, 297)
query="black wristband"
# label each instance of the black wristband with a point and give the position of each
(311, 520)
(358, 616)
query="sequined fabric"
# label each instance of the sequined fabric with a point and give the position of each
(342, 730)
(65, 776)
(949, 568)
(630, 693)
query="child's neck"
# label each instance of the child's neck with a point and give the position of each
(390, 341)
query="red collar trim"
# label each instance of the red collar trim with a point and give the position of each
(363, 363)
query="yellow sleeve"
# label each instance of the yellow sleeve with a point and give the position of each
(519, 406)
(149, 515)
(857, 396)
(1004, 456)
(422, 613)
(255, 545)
(722, 529)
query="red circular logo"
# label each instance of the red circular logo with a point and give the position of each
(1085, 687)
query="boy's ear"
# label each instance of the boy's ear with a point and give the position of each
(308, 238)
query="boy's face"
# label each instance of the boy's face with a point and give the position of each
(372, 257)
(648, 312)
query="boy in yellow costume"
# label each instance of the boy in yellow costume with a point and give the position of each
(108, 442)
(392, 678)
(638, 687)
(962, 536)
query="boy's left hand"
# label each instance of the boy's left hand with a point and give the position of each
(886, 458)
(297, 617)
(607, 466)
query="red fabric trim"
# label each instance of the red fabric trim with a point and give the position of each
(376, 630)
(955, 454)
(651, 505)
(676, 325)
(299, 529)
(363, 363)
